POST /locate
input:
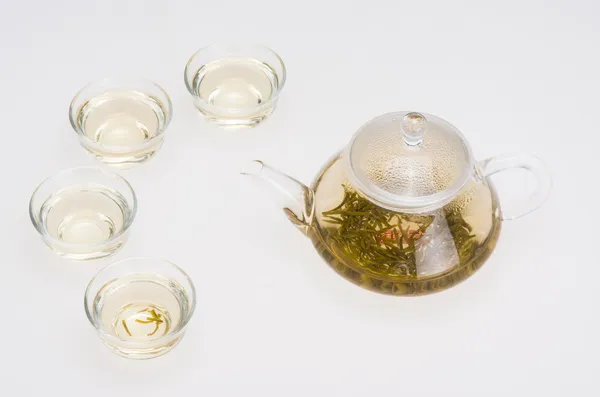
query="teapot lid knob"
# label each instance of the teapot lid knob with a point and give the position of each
(413, 127)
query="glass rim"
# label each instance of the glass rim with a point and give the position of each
(125, 79)
(274, 95)
(59, 243)
(168, 337)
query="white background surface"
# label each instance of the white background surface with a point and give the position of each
(272, 319)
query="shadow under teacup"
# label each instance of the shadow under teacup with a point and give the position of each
(140, 307)
(122, 121)
(83, 213)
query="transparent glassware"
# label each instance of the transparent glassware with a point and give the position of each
(140, 307)
(121, 121)
(83, 213)
(404, 208)
(235, 85)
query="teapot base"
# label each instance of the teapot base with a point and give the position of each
(406, 285)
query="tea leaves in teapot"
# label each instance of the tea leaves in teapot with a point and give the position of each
(464, 239)
(386, 241)
(378, 238)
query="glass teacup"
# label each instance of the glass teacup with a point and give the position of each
(140, 307)
(83, 213)
(121, 122)
(235, 84)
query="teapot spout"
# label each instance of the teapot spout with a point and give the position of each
(295, 198)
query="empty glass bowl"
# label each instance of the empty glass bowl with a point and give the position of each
(235, 84)
(140, 307)
(83, 213)
(121, 121)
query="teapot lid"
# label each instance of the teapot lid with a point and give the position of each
(409, 161)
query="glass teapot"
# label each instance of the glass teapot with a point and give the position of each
(404, 209)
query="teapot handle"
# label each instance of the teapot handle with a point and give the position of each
(530, 163)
